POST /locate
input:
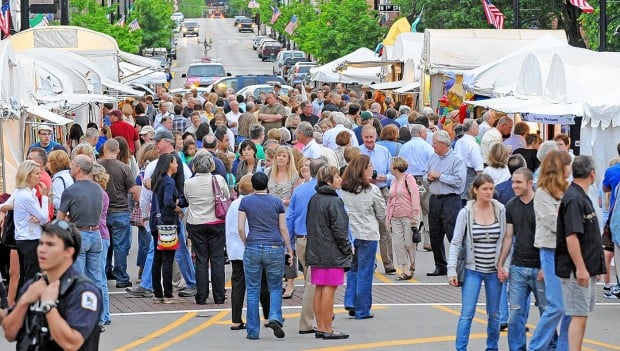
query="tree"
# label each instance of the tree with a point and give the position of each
(154, 18)
(590, 26)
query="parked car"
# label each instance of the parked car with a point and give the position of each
(283, 55)
(246, 25)
(289, 63)
(177, 17)
(237, 83)
(183, 91)
(203, 73)
(258, 40)
(299, 72)
(237, 20)
(256, 89)
(269, 50)
(261, 42)
(190, 28)
(172, 53)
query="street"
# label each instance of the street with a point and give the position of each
(420, 314)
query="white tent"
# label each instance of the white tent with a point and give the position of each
(11, 144)
(338, 71)
(131, 73)
(407, 46)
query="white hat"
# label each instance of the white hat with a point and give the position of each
(44, 127)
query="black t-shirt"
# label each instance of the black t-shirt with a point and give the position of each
(576, 216)
(313, 119)
(530, 157)
(522, 218)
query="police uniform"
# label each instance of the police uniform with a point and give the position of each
(79, 303)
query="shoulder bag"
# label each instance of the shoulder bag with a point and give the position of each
(416, 237)
(221, 202)
(167, 236)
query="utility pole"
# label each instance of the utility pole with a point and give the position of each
(602, 26)
(24, 15)
(515, 9)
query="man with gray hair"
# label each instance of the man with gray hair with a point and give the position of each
(296, 222)
(418, 152)
(329, 137)
(578, 252)
(488, 117)
(470, 152)
(305, 135)
(445, 175)
(91, 137)
(495, 136)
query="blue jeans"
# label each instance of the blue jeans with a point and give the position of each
(471, 291)
(147, 279)
(257, 258)
(554, 311)
(503, 303)
(358, 294)
(184, 260)
(144, 241)
(120, 233)
(523, 282)
(105, 314)
(89, 259)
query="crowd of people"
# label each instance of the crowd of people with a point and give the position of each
(317, 180)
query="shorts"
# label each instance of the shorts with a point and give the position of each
(578, 300)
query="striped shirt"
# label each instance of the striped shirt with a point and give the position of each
(485, 239)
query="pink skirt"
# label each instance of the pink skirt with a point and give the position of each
(327, 276)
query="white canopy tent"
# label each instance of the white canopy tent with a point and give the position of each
(134, 74)
(338, 71)
(407, 46)
(11, 144)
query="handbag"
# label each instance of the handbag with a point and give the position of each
(416, 236)
(221, 203)
(135, 218)
(167, 236)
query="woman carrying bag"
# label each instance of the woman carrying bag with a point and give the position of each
(481, 225)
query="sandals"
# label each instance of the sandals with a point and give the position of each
(404, 276)
(288, 296)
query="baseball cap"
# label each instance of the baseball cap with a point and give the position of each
(147, 129)
(366, 116)
(116, 113)
(403, 108)
(163, 134)
(44, 127)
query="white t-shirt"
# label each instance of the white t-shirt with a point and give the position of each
(232, 117)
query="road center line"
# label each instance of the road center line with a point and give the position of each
(191, 332)
(159, 332)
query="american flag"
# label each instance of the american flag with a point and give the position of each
(253, 4)
(5, 19)
(494, 15)
(583, 5)
(133, 25)
(276, 14)
(45, 21)
(121, 21)
(292, 25)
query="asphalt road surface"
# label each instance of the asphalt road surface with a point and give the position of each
(420, 314)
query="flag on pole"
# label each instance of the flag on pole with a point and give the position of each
(583, 5)
(133, 25)
(121, 21)
(292, 25)
(414, 25)
(494, 15)
(5, 19)
(253, 4)
(276, 14)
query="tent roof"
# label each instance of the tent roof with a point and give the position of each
(64, 38)
(337, 71)
(407, 46)
(141, 61)
(459, 49)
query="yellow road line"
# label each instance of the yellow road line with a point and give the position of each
(288, 316)
(391, 343)
(381, 276)
(159, 332)
(458, 314)
(191, 332)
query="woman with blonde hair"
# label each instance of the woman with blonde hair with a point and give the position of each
(497, 166)
(282, 178)
(555, 169)
(101, 177)
(128, 113)
(59, 164)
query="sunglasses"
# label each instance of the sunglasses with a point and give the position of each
(65, 226)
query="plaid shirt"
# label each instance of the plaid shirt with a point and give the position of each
(179, 123)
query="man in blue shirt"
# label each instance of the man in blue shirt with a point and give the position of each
(45, 140)
(381, 160)
(611, 180)
(296, 223)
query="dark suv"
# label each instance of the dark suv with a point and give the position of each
(246, 25)
(239, 82)
(190, 28)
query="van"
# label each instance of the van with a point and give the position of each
(237, 83)
(283, 55)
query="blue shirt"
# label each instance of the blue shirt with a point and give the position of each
(298, 209)
(52, 146)
(402, 120)
(611, 180)
(503, 192)
(417, 152)
(381, 160)
(263, 212)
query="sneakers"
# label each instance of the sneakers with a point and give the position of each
(139, 291)
(187, 292)
(612, 292)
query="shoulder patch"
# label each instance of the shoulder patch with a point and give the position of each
(89, 301)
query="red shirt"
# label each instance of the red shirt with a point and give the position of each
(47, 180)
(127, 131)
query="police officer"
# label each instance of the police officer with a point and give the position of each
(60, 308)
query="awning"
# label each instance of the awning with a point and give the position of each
(409, 88)
(140, 60)
(75, 99)
(388, 85)
(368, 64)
(533, 105)
(121, 89)
(48, 115)
(131, 73)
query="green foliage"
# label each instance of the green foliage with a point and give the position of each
(591, 26)
(154, 19)
(192, 8)
(90, 14)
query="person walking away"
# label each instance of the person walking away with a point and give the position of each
(481, 226)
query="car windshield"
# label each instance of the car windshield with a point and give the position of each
(304, 69)
(163, 61)
(206, 71)
(190, 24)
(272, 43)
(245, 20)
